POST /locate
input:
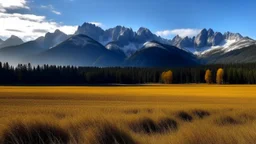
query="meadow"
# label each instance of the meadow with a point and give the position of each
(145, 114)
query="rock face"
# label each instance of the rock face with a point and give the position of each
(188, 42)
(232, 36)
(119, 33)
(12, 41)
(201, 39)
(217, 39)
(143, 35)
(90, 30)
(176, 40)
(52, 39)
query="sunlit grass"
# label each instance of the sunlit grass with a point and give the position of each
(175, 114)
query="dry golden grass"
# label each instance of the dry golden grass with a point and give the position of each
(150, 114)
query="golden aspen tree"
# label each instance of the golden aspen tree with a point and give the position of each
(163, 77)
(208, 76)
(167, 77)
(219, 76)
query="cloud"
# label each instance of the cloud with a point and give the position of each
(29, 24)
(13, 30)
(181, 32)
(40, 30)
(98, 24)
(51, 8)
(12, 4)
(56, 12)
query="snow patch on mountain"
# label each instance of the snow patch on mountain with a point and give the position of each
(224, 45)
(112, 46)
(152, 44)
(230, 45)
(238, 45)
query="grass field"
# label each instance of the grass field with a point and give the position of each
(148, 114)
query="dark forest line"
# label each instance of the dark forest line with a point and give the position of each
(70, 75)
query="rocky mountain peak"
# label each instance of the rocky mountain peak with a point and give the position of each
(52, 39)
(201, 39)
(90, 30)
(57, 31)
(143, 30)
(144, 34)
(210, 32)
(217, 39)
(12, 41)
(176, 40)
(14, 37)
(232, 36)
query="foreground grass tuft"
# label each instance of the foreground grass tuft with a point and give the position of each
(148, 126)
(109, 134)
(35, 133)
(185, 116)
(167, 125)
(228, 120)
(145, 125)
(201, 113)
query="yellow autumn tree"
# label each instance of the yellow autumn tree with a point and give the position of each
(219, 76)
(163, 77)
(167, 77)
(208, 76)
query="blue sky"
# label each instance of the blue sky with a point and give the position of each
(164, 17)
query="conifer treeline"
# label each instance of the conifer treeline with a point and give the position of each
(70, 75)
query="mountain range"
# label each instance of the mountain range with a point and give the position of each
(121, 46)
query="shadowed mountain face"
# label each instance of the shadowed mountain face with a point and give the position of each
(79, 50)
(52, 39)
(246, 54)
(16, 54)
(155, 54)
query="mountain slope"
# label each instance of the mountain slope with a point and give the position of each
(79, 50)
(12, 41)
(16, 54)
(243, 51)
(155, 54)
